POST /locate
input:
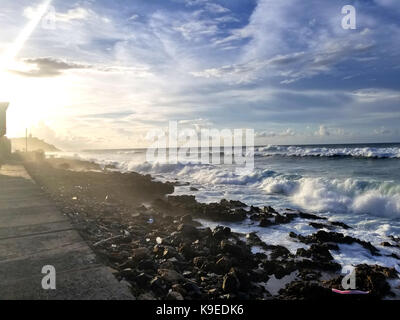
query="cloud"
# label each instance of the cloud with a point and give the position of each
(47, 67)
(272, 134)
(71, 14)
(323, 131)
(254, 64)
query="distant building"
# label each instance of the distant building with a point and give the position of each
(5, 144)
(3, 118)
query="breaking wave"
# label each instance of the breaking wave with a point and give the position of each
(338, 195)
(356, 152)
(310, 193)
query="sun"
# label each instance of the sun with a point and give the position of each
(31, 101)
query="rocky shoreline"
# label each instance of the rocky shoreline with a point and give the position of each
(154, 243)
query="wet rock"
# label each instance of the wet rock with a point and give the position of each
(317, 225)
(232, 204)
(279, 252)
(146, 296)
(174, 295)
(277, 268)
(230, 283)
(170, 276)
(221, 232)
(253, 238)
(169, 252)
(281, 219)
(230, 248)
(158, 286)
(269, 209)
(187, 219)
(243, 277)
(218, 212)
(223, 265)
(140, 253)
(318, 252)
(158, 250)
(334, 237)
(300, 290)
(179, 288)
(199, 262)
(340, 224)
(370, 278)
(147, 264)
(265, 222)
(310, 216)
(192, 289)
(143, 280)
(188, 230)
(187, 251)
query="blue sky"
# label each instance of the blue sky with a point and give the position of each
(102, 73)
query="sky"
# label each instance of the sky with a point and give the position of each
(101, 74)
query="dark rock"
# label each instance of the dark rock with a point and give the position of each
(264, 222)
(340, 224)
(170, 276)
(269, 209)
(279, 252)
(187, 251)
(318, 252)
(199, 262)
(300, 290)
(280, 219)
(335, 237)
(147, 264)
(158, 286)
(230, 248)
(223, 265)
(140, 253)
(230, 283)
(187, 219)
(169, 252)
(370, 278)
(143, 280)
(221, 232)
(174, 295)
(192, 289)
(317, 225)
(188, 230)
(310, 216)
(179, 288)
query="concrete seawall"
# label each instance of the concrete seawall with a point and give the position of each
(33, 234)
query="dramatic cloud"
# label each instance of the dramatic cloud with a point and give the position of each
(287, 69)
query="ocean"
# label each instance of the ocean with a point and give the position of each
(358, 184)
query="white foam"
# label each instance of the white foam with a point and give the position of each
(296, 151)
(336, 195)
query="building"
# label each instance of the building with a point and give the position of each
(5, 145)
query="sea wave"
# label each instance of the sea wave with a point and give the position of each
(356, 152)
(319, 194)
(338, 195)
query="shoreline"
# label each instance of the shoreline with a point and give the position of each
(162, 252)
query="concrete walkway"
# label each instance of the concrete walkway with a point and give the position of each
(33, 233)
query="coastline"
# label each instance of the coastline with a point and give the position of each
(154, 242)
